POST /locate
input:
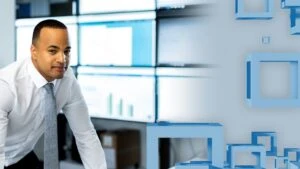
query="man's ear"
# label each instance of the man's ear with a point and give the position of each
(33, 52)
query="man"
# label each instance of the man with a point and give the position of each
(23, 100)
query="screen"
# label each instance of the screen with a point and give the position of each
(103, 6)
(185, 41)
(184, 95)
(180, 3)
(119, 93)
(24, 31)
(117, 43)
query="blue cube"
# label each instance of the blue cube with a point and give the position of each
(241, 13)
(290, 3)
(295, 21)
(258, 150)
(212, 131)
(273, 139)
(195, 165)
(294, 165)
(282, 159)
(253, 63)
(292, 150)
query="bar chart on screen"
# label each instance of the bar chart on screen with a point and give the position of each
(119, 93)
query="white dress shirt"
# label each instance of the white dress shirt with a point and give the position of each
(22, 121)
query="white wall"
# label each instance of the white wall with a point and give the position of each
(7, 33)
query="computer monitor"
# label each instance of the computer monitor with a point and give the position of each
(117, 39)
(181, 3)
(24, 30)
(184, 94)
(104, 6)
(119, 93)
(186, 41)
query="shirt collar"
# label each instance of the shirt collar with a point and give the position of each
(37, 78)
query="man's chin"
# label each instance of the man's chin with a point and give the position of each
(59, 76)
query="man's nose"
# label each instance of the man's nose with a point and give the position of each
(62, 58)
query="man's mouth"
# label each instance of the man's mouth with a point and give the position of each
(59, 68)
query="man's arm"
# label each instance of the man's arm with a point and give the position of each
(6, 103)
(88, 143)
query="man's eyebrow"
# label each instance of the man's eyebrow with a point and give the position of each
(56, 47)
(53, 46)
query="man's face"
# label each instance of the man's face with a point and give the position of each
(51, 53)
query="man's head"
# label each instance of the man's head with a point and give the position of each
(50, 49)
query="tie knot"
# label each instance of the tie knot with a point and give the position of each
(49, 87)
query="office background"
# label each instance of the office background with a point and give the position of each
(228, 42)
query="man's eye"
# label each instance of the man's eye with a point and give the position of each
(52, 52)
(67, 52)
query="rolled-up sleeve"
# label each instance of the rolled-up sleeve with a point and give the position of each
(6, 103)
(88, 143)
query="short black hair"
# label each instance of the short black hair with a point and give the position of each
(49, 23)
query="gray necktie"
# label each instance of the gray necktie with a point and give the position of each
(50, 136)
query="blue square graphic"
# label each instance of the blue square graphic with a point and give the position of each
(254, 97)
(241, 13)
(290, 3)
(273, 139)
(195, 165)
(258, 150)
(212, 131)
(287, 151)
(295, 21)
(294, 165)
(280, 159)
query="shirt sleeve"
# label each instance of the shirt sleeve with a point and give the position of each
(6, 103)
(87, 141)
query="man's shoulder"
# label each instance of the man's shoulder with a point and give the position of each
(12, 71)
